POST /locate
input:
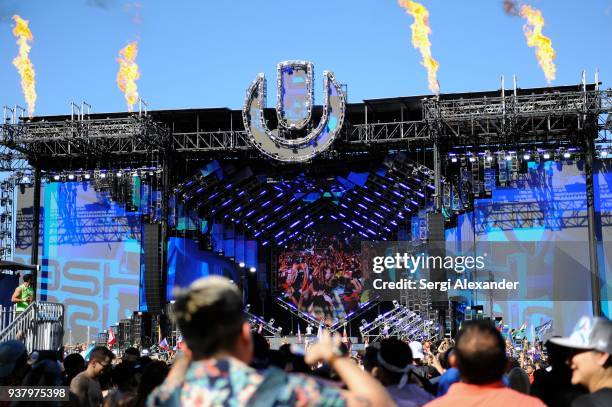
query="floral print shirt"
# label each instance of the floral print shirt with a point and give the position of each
(230, 382)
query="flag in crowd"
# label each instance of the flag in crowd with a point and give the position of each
(112, 339)
(164, 344)
(541, 331)
(521, 331)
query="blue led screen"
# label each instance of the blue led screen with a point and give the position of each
(90, 255)
(547, 204)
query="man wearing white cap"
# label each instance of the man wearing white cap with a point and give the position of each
(591, 360)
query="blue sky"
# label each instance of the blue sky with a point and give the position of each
(196, 53)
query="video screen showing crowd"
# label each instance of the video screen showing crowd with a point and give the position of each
(323, 279)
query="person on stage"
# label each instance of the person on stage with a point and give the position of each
(24, 294)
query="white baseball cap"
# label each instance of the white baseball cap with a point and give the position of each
(589, 333)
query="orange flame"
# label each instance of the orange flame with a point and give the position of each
(22, 62)
(128, 73)
(420, 40)
(543, 45)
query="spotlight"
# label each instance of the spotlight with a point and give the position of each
(56, 177)
(472, 159)
(119, 174)
(102, 175)
(526, 157)
(241, 264)
(489, 158)
(248, 306)
(252, 269)
(70, 177)
(454, 159)
(271, 321)
(135, 174)
(508, 158)
(395, 304)
(567, 154)
(547, 156)
(87, 176)
(604, 153)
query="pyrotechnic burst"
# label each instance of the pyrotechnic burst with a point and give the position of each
(420, 40)
(128, 73)
(22, 62)
(542, 44)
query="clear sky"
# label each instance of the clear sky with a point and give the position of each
(202, 53)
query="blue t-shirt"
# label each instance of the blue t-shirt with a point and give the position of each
(450, 377)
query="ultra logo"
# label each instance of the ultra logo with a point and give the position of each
(294, 140)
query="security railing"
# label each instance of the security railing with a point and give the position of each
(40, 326)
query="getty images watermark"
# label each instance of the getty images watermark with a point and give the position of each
(412, 263)
(538, 270)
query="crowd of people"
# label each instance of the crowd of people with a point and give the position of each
(325, 282)
(226, 363)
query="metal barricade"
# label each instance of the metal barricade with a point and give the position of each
(40, 326)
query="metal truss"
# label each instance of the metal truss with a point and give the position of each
(91, 137)
(401, 322)
(258, 323)
(84, 227)
(388, 132)
(211, 141)
(511, 119)
(292, 309)
(518, 119)
(555, 215)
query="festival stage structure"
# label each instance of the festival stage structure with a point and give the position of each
(440, 154)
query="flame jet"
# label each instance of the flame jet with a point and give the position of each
(420, 40)
(23, 64)
(542, 44)
(128, 73)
